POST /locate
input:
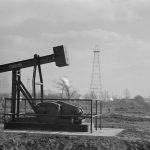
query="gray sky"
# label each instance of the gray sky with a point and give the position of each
(121, 28)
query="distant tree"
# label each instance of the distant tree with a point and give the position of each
(127, 93)
(90, 95)
(66, 89)
(64, 85)
(116, 97)
(54, 95)
(74, 94)
(139, 99)
(87, 96)
(106, 96)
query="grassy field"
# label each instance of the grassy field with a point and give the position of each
(136, 136)
(131, 115)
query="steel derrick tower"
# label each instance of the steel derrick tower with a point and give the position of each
(96, 83)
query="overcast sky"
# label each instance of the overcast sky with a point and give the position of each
(121, 28)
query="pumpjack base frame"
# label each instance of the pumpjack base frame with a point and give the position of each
(16, 125)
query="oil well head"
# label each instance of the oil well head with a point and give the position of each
(52, 115)
(46, 115)
(59, 57)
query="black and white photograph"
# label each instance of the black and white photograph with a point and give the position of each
(74, 74)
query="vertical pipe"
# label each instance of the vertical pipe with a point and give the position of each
(100, 115)
(42, 93)
(13, 101)
(4, 111)
(96, 116)
(33, 82)
(18, 93)
(37, 63)
(25, 106)
(41, 78)
(91, 116)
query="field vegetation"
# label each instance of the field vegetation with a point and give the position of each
(133, 115)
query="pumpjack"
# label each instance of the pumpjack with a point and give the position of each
(55, 115)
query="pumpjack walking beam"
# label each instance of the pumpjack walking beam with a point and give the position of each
(59, 57)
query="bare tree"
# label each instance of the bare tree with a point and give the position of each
(64, 85)
(90, 95)
(66, 89)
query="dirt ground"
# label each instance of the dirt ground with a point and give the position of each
(136, 136)
(132, 116)
(49, 142)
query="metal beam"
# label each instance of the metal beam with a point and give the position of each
(14, 92)
(26, 63)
